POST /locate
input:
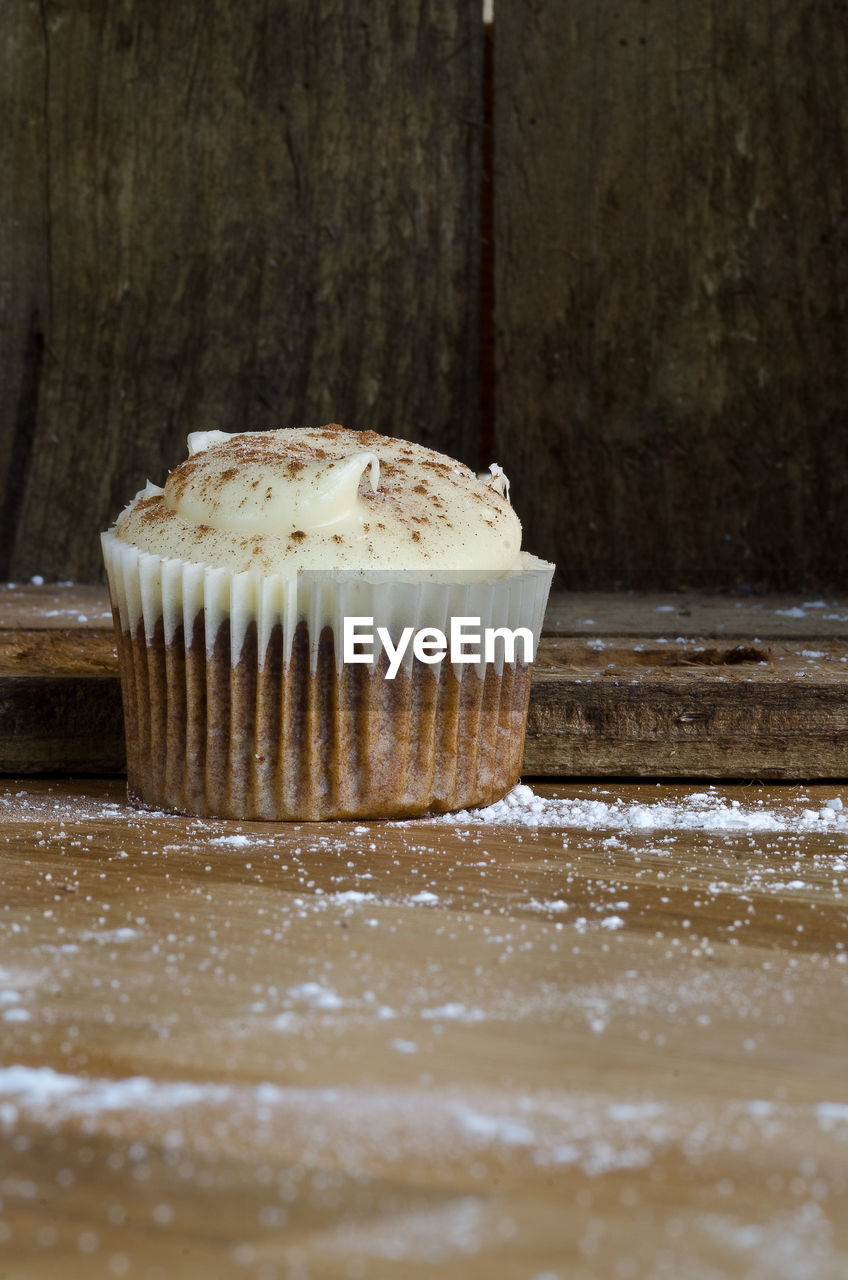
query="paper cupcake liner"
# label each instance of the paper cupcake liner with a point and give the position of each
(238, 704)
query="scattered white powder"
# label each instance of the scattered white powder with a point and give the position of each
(699, 811)
(286, 1021)
(705, 810)
(831, 1114)
(497, 1128)
(403, 1046)
(355, 1128)
(316, 996)
(793, 1244)
(37, 1088)
(431, 1235)
(107, 935)
(454, 1012)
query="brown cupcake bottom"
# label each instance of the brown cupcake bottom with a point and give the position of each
(216, 739)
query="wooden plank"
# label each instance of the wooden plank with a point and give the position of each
(429, 1049)
(632, 711)
(671, 289)
(61, 724)
(690, 614)
(60, 698)
(734, 688)
(48, 607)
(226, 216)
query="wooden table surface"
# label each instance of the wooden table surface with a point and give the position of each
(610, 1047)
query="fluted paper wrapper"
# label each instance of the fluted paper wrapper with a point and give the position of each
(238, 702)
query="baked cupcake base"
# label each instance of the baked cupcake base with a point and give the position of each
(238, 702)
(292, 737)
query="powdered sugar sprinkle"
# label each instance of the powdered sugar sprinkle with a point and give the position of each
(698, 811)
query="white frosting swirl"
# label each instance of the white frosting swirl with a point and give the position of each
(324, 498)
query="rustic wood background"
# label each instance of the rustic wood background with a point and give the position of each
(230, 215)
(270, 214)
(671, 209)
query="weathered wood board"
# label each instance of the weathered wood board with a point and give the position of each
(625, 686)
(610, 1047)
(229, 216)
(671, 285)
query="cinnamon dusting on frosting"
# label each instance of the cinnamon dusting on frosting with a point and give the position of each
(326, 497)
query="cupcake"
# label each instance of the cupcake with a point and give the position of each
(322, 623)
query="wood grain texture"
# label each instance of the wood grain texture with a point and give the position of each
(226, 216)
(426, 1050)
(65, 724)
(25, 250)
(670, 195)
(688, 710)
(639, 686)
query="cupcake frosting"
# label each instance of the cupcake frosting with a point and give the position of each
(279, 502)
